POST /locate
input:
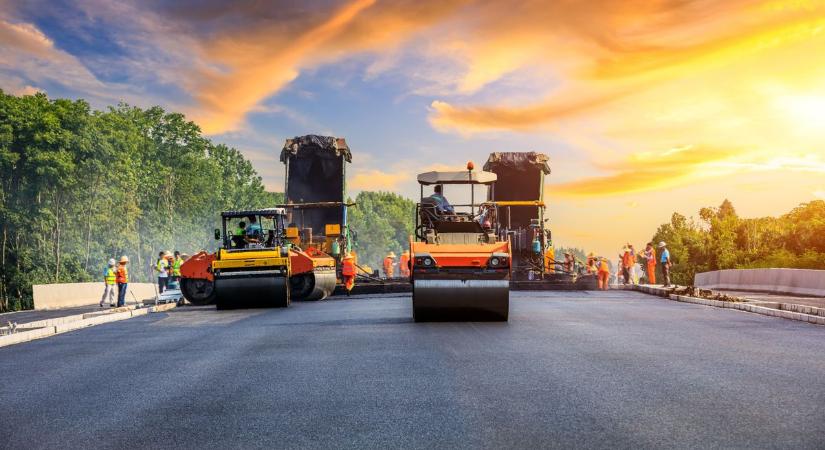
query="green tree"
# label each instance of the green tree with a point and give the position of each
(383, 222)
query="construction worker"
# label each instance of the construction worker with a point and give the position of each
(162, 268)
(442, 206)
(664, 260)
(348, 272)
(177, 261)
(253, 230)
(603, 274)
(389, 260)
(550, 260)
(634, 278)
(627, 263)
(122, 280)
(239, 236)
(569, 262)
(650, 257)
(591, 264)
(109, 280)
(404, 264)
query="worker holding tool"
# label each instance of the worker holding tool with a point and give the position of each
(348, 272)
(650, 256)
(122, 280)
(110, 284)
(404, 264)
(389, 260)
(603, 274)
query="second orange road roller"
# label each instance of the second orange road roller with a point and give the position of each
(460, 267)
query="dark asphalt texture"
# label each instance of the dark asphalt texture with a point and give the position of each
(570, 369)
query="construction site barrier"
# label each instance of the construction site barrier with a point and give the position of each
(778, 281)
(66, 295)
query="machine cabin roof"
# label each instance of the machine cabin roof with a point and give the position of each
(254, 212)
(460, 177)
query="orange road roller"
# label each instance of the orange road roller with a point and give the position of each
(459, 265)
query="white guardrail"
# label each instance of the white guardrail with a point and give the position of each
(779, 281)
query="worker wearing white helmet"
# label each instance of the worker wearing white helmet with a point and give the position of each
(109, 282)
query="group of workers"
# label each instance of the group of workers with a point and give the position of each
(626, 273)
(115, 275)
(403, 265)
(167, 267)
(251, 233)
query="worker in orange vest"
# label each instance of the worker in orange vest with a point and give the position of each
(650, 256)
(122, 279)
(627, 263)
(404, 264)
(348, 272)
(389, 260)
(603, 274)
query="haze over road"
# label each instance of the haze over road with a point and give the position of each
(584, 369)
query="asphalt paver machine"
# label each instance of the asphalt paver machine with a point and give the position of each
(460, 268)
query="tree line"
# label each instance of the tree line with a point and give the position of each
(720, 239)
(78, 187)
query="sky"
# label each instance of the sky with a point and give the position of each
(645, 107)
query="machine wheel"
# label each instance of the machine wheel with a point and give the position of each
(198, 291)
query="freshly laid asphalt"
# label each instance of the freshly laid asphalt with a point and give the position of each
(570, 369)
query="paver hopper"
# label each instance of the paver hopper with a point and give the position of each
(460, 269)
(315, 188)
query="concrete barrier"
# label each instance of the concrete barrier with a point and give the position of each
(777, 281)
(66, 295)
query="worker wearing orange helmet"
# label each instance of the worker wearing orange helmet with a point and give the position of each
(404, 264)
(389, 260)
(348, 272)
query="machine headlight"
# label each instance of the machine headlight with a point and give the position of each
(428, 262)
(494, 261)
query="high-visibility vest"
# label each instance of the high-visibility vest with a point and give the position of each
(162, 265)
(122, 274)
(603, 267)
(348, 268)
(388, 266)
(110, 275)
(176, 267)
(403, 264)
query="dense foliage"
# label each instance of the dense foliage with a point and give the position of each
(383, 222)
(723, 240)
(78, 187)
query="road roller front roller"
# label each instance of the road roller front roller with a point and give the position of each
(460, 268)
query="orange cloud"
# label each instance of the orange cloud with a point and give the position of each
(650, 171)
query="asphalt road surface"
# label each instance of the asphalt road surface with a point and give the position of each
(570, 369)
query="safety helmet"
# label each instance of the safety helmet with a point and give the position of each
(662, 244)
(124, 259)
(167, 253)
(348, 255)
(112, 262)
(391, 254)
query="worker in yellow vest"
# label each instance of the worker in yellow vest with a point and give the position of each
(109, 283)
(122, 279)
(176, 263)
